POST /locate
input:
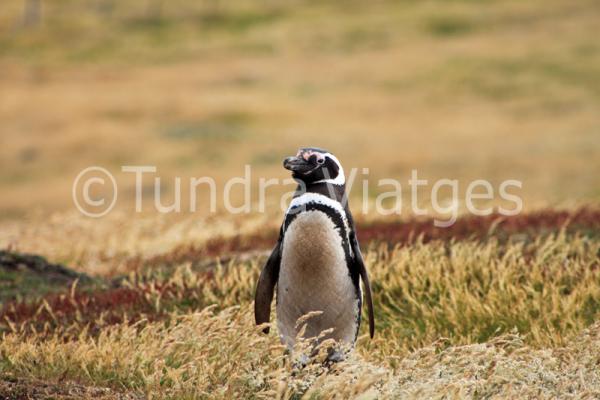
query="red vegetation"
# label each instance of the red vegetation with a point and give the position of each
(397, 232)
(217, 247)
(95, 308)
(115, 305)
(400, 232)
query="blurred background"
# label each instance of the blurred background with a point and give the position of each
(455, 89)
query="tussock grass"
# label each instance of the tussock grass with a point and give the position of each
(489, 90)
(470, 292)
(219, 355)
(458, 318)
(198, 355)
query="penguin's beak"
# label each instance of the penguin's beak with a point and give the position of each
(297, 164)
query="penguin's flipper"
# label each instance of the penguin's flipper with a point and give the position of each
(362, 270)
(265, 287)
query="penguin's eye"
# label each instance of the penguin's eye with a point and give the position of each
(320, 161)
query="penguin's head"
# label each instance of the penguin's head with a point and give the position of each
(313, 165)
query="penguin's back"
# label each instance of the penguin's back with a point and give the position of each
(314, 276)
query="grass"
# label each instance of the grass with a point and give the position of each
(449, 25)
(26, 276)
(489, 308)
(494, 289)
(222, 127)
(456, 316)
(458, 90)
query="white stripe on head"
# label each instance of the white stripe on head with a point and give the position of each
(308, 198)
(340, 179)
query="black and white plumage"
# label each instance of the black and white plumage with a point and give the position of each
(316, 264)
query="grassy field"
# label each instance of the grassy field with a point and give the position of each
(151, 305)
(460, 90)
(509, 310)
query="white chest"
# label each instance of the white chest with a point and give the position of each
(314, 276)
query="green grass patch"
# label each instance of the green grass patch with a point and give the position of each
(227, 126)
(449, 25)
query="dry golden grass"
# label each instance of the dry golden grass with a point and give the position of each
(494, 90)
(455, 89)
(206, 355)
(104, 247)
(460, 319)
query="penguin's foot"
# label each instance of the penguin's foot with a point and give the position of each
(336, 355)
(300, 361)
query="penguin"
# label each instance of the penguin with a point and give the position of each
(316, 265)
